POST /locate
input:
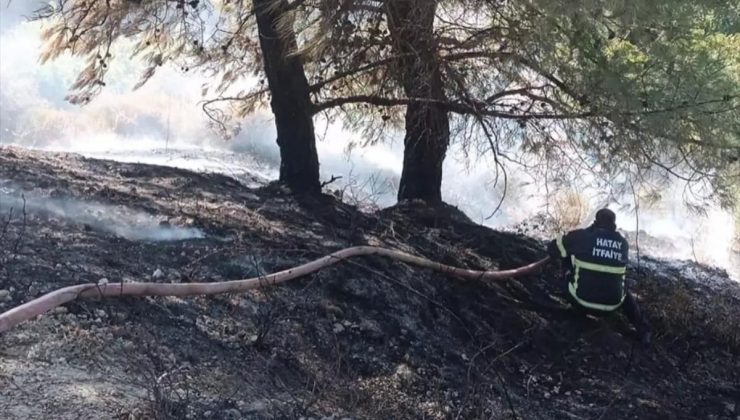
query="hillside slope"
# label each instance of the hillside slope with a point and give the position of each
(369, 338)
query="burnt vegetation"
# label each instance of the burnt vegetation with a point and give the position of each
(371, 338)
(621, 96)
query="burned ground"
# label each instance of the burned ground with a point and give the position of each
(370, 338)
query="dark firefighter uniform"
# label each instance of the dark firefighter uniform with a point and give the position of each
(595, 260)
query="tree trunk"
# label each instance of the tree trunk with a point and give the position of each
(411, 24)
(291, 102)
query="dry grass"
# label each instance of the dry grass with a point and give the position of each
(569, 210)
(679, 313)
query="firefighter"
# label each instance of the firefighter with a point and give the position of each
(595, 261)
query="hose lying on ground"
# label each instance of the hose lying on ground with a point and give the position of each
(59, 297)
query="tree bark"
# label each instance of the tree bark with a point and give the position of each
(411, 24)
(291, 101)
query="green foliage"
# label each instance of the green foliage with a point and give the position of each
(659, 81)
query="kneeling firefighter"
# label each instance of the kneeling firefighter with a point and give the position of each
(595, 261)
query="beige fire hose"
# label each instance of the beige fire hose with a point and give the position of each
(59, 297)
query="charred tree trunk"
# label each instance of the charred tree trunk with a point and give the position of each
(411, 24)
(291, 102)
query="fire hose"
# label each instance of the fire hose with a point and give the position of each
(59, 297)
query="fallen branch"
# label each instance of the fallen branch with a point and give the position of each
(59, 297)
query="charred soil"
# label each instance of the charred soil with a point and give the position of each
(369, 338)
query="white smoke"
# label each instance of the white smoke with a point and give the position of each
(121, 221)
(162, 124)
